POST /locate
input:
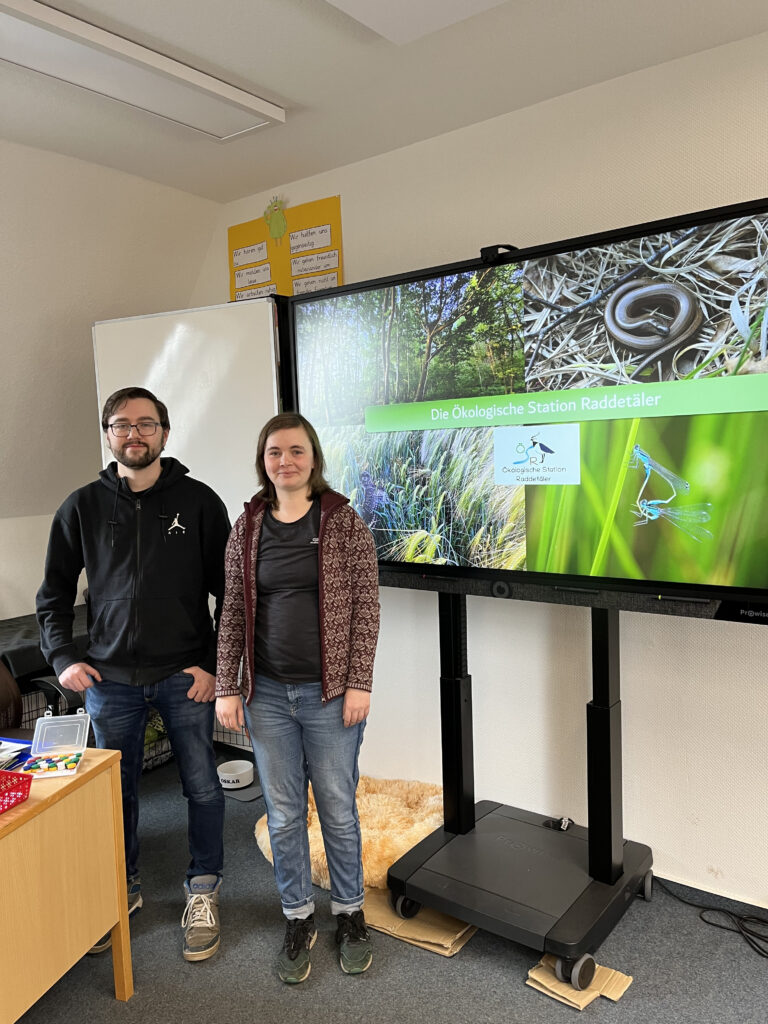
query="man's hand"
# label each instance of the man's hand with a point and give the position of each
(357, 704)
(229, 711)
(79, 677)
(203, 689)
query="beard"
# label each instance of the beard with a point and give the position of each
(135, 457)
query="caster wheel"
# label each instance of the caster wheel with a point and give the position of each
(405, 907)
(560, 970)
(648, 886)
(582, 972)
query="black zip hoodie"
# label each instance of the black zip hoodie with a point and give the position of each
(151, 559)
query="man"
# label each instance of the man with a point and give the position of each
(152, 543)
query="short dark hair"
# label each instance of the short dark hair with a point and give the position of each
(286, 421)
(119, 398)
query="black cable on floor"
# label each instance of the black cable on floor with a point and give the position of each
(753, 929)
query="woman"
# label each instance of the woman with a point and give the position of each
(301, 612)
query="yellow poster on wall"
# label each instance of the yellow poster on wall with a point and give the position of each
(290, 250)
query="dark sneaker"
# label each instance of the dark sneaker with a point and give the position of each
(135, 902)
(293, 964)
(200, 920)
(354, 942)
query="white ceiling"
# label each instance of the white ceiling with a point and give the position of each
(349, 92)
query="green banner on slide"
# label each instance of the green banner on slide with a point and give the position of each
(743, 393)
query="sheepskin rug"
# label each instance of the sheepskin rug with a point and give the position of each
(395, 814)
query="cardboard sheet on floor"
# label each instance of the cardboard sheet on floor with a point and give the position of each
(430, 930)
(606, 982)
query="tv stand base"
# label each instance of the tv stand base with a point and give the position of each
(516, 875)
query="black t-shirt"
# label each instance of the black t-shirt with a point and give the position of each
(287, 634)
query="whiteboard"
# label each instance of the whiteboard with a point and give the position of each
(215, 369)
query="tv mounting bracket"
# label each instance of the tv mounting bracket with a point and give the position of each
(493, 254)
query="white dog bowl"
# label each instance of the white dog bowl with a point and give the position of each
(235, 774)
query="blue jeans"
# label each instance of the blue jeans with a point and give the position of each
(297, 739)
(119, 717)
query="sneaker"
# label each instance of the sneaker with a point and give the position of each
(135, 902)
(354, 942)
(200, 920)
(293, 964)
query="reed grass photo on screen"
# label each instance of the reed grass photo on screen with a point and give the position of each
(428, 496)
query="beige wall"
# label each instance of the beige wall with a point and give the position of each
(80, 243)
(681, 137)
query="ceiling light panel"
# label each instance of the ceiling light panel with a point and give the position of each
(54, 44)
(403, 21)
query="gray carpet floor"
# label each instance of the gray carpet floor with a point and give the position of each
(683, 971)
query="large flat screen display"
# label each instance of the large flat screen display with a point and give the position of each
(593, 411)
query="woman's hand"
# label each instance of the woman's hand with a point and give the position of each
(357, 704)
(229, 711)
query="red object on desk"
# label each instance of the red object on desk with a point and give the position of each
(14, 789)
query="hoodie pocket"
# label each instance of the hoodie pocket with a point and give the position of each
(109, 631)
(148, 632)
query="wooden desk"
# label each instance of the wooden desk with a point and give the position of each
(62, 873)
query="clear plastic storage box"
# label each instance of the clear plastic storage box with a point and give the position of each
(57, 746)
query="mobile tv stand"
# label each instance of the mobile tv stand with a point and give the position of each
(546, 883)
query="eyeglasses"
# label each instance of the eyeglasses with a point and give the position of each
(144, 429)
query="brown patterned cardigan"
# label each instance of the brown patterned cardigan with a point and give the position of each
(348, 606)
